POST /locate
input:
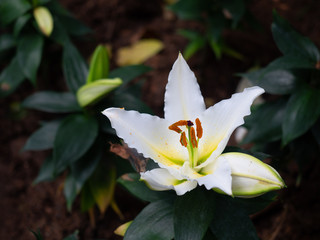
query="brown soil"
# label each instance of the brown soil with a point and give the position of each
(118, 23)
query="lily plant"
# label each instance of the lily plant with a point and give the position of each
(188, 143)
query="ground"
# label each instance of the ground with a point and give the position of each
(119, 23)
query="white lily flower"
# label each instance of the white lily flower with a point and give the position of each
(188, 143)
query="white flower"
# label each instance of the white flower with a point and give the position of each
(188, 143)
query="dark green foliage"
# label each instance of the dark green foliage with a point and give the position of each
(215, 16)
(294, 77)
(154, 222)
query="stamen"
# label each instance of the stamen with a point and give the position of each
(182, 123)
(183, 139)
(193, 139)
(174, 127)
(199, 128)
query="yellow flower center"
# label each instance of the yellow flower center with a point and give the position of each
(191, 142)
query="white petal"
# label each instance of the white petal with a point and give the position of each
(149, 135)
(183, 99)
(217, 175)
(250, 176)
(220, 120)
(160, 179)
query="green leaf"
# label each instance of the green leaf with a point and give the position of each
(279, 81)
(87, 199)
(73, 26)
(43, 138)
(301, 113)
(7, 41)
(190, 9)
(37, 234)
(73, 236)
(99, 64)
(291, 42)
(46, 172)
(20, 23)
(132, 183)
(75, 136)
(94, 91)
(194, 46)
(70, 190)
(12, 9)
(128, 73)
(74, 67)
(265, 123)
(193, 213)
(82, 169)
(11, 77)
(290, 61)
(53, 102)
(232, 222)
(154, 222)
(102, 184)
(29, 53)
(236, 8)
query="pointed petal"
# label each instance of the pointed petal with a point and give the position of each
(160, 179)
(149, 135)
(250, 176)
(217, 176)
(183, 99)
(220, 120)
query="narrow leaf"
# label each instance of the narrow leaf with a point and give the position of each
(102, 185)
(12, 9)
(99, 65)
(82, 169)
(46, 172)
(20, 23)
(54, 102)
(301, 113)
(74, 67)
(75, 136)
(29, 55)
(43, 138)
(265, 123)
(291, 42)
(70, 190)
(7, 41)
(10, 78)
(232, 222)
(155, 221)
(193, 213)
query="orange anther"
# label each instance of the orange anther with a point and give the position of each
(193, 138)
(183, 139)
(175, 128)
(199, 128)
(181, 123)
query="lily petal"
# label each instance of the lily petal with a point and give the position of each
(182, 99)
(220, 120)
(149, 135)
(217, 176)
(160, 179)
(250, 176)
